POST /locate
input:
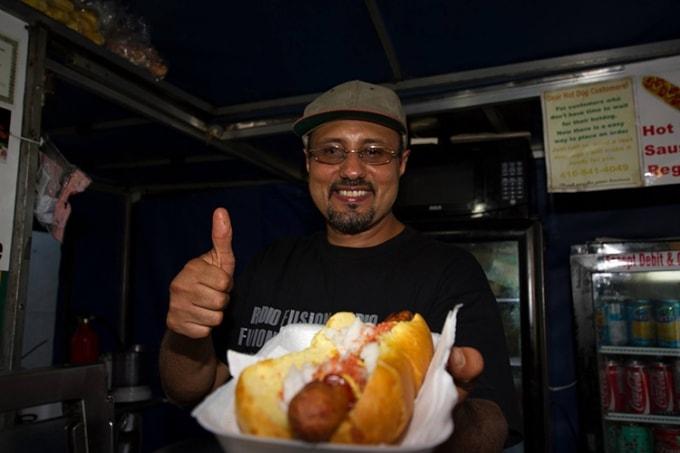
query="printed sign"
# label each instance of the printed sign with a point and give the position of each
(659, 127)
(13, 55)
(8, 62)
(590, 137)
(641, 261)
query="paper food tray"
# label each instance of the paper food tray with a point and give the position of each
(430, 426)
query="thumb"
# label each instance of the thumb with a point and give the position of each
(465, 364)
(222, 253)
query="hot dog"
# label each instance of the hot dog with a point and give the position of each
(355, 383)
(662, 88)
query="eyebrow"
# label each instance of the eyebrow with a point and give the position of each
(364, 142)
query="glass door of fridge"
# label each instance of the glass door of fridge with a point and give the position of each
(500, 262)
(637, 322)
(510, 252)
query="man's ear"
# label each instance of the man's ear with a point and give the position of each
(304, 151)
(402, 161)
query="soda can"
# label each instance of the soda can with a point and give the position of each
(667, 317)
(666, 439)
(635, 439)
(661, 388)
(637, 388)
(613, 391)
(616, 324)
(642, 325)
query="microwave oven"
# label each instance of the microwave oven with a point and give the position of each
(488, 178)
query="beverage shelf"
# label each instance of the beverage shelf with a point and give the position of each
(507, 300)
(631, 350)
(640, 418)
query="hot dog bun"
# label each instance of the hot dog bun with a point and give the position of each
(394, 363)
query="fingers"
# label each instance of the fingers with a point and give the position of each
(465, 365)
(196, 306)
(194, 321)
(222, 253)
(200, 284)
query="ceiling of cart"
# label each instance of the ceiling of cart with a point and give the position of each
(229, 53)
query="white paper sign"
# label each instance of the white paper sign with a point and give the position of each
(13, 52)
(659, 126)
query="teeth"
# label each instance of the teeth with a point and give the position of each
(353, 193)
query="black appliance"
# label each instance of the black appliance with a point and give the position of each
(480, 178)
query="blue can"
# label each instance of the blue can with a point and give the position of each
(642, 325)
(667, 317)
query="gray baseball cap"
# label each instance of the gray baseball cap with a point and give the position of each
(355, 100)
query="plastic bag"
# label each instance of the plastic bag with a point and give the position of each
(128, 35)
(57, 181)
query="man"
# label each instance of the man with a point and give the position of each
(366, 261)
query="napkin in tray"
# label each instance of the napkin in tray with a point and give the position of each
(431, 423)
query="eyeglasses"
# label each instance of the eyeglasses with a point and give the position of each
(371, 154)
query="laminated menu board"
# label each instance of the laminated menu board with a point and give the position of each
(659, 126)
(590, 137)
(13, 50)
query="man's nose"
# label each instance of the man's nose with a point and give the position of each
(352, 167)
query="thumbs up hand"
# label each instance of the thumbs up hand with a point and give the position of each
(200, 292)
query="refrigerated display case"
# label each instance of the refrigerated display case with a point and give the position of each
(627, 320)
(511, 254)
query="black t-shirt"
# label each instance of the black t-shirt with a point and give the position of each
(307, 280)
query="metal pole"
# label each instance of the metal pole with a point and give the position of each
(385, 40)
(124, 321)
(20, 253)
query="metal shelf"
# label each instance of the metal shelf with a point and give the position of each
(639, 418)
(632, 350)
(507, 300)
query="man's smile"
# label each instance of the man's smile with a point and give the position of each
(352, 192)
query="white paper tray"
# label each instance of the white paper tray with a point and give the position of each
(432, 418)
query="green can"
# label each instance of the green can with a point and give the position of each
(635, 439)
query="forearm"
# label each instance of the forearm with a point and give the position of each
(479, 427)
(189, 368)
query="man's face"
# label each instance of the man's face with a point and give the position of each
(354, 196)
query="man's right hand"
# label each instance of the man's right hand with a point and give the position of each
(200, 292)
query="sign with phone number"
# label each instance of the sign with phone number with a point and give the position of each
(590, 137)
(608, 169)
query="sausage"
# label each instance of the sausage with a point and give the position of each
(404, 315)
(317, 410)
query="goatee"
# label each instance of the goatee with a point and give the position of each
(351, 222)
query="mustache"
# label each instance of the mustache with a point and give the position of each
(346, 183)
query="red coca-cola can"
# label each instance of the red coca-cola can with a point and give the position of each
(637, 387)
(661, 393)
(613, 391)
(666, 439)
